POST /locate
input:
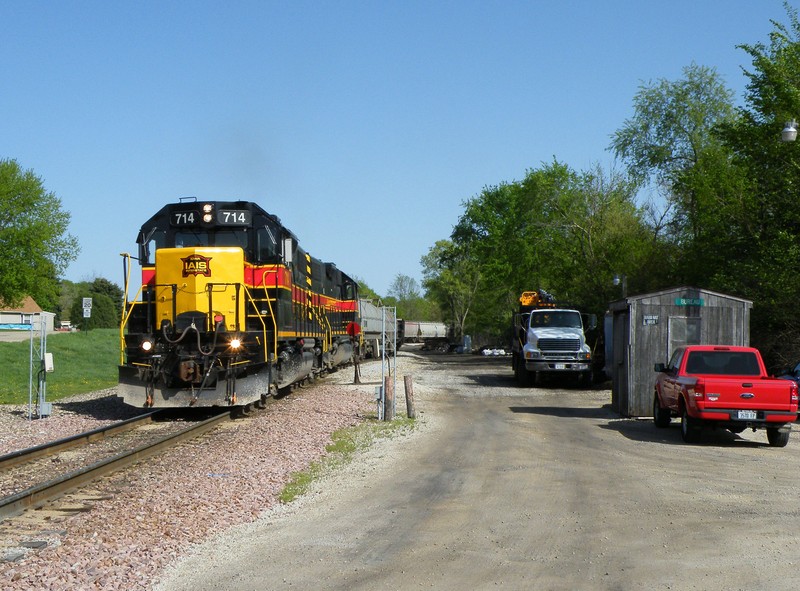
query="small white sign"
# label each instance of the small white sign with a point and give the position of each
(87, 303)
(87, 312)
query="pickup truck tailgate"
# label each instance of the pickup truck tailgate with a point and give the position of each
(729, 393)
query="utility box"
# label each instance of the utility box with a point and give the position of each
(645, 329)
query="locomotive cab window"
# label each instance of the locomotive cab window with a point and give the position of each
(188, 239)
(231, 238)
(266, 245)
(148, 247)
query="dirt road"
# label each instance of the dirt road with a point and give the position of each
(539, 488)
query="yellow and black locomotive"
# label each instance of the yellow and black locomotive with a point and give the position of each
(230, 310)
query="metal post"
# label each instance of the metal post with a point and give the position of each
(392, 364)
(30, 378)
(394, 359)
(38, 355)
(383, 342)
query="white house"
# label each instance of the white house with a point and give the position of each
(27, 316)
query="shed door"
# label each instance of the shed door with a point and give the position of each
(683, 331)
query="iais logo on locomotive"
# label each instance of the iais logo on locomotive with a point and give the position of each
(196, 264)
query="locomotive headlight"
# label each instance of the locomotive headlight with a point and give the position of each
(235, 343)
(146, 345)
(207, 213)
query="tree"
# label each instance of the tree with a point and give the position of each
(105, 313)
(764, 260)
(676, 140)
(672, 124)
(34, 242)
(404, 288)
(558, 230)
(451, 278)
(404, 293)
(365, 291)
(106, 303)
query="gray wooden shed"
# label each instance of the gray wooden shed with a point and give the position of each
(645, 329)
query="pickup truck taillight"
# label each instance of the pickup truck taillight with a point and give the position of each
(794, 392)
(698, 390)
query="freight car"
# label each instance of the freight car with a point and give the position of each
(434, 335)
(378, 329)
(230, 309)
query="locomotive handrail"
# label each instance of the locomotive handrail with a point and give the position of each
(263, 324)
(210, 290)
(330, 331)
(126, 271)
(126, 314)
(327, 340)
(271, 311)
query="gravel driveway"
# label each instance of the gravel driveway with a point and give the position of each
(541, 488)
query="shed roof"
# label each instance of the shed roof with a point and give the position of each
(621, 304)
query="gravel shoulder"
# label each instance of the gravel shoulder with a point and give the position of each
(539, 488)
(155, 511)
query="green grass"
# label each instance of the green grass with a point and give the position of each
(83, 362)
(345, 443)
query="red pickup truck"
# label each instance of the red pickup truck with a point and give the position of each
(727, 387)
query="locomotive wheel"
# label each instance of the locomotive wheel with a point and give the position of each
(243, 411)
(285, 391)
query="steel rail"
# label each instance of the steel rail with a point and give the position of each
(45, 449)
(42, 493)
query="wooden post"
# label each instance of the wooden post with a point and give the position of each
(388, 399)
(410, 411)
(356, 362)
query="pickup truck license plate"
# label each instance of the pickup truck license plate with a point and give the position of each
(746, 414)
(561, 366)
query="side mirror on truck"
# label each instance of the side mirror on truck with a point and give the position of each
(659, 367)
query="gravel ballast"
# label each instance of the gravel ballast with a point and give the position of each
(159, 508)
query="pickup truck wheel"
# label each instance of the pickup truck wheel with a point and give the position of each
(661, 416)
(690, 428)
(776, 437)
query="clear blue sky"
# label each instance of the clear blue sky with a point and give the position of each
(364, 126)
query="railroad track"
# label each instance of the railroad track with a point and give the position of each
(41, 493)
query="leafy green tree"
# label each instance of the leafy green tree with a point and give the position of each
(365, 291)
(72, 294)
(452, 279)
(103, 286)
(34, 244)
(105, 312)
(68, 292)
(566, 232)
(730, 184)
(673, 143)
(404, 288)
(764, 223)
(404, 294)
(672, 125)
